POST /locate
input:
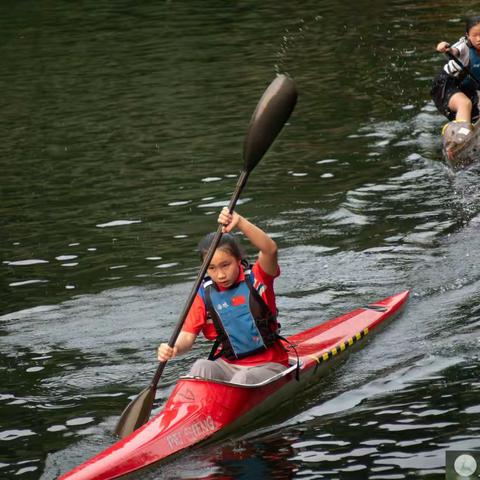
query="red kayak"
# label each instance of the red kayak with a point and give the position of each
(199, 409)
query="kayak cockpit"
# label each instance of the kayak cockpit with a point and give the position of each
(288, 371)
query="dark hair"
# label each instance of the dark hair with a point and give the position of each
(471, 22)
(228, 243)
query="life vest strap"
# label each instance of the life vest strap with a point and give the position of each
(291, 346)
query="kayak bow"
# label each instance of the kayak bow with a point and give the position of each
(461, 144)
(200, 409)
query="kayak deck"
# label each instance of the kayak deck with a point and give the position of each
(200, 409)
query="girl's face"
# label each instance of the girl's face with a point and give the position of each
(474, 36)
(224, 268)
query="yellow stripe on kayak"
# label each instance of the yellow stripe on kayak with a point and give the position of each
(341, 346)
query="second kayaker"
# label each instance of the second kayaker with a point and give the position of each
(454, 93)
(235, 307)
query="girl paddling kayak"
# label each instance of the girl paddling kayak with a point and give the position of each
(235, 306)
(454, 94)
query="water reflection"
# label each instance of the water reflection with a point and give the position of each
(124, 131)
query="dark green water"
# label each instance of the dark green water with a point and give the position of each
(122, 134)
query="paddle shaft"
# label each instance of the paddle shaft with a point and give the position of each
(269, 117)
(465, 68)
(242, 180)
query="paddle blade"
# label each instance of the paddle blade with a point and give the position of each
(271, 114)
(137, 412)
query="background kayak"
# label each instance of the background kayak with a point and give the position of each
(123, 129)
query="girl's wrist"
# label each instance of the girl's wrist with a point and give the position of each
(240, 223)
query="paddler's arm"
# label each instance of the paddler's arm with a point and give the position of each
(268, 251)
(442, 47)
(183, 344)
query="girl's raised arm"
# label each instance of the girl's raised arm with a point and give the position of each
(268, 251)
(442, 47)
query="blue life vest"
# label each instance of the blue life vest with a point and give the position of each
(474, 66)
(244, 323)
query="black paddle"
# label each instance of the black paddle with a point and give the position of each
(463, 67)
(273, 110)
